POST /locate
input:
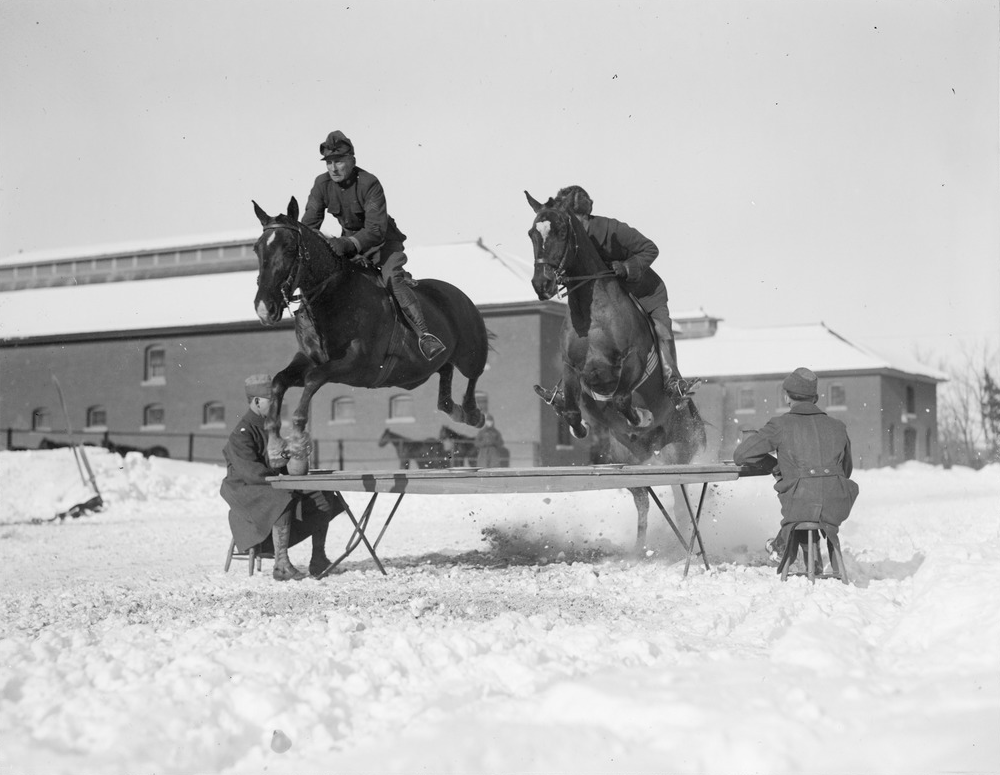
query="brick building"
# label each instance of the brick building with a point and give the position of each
(152, 342)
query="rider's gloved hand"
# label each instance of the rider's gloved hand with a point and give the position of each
(343, 247)
(620, 269)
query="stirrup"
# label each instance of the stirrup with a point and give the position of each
(553, 397)
(430, 346)
(682, 388)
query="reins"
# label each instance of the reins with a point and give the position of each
(572, 282)
(296, 271)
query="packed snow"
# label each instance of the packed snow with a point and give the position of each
(512, 634)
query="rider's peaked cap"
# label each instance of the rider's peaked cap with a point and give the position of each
(336, 146)
(575, 200)
(801, 382)
(258, 386)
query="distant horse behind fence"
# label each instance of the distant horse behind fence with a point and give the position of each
(460, 448)
(429, 453)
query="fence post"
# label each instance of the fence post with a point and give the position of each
(340, 453)
(315, 453)
(190, 447)
(10, 438)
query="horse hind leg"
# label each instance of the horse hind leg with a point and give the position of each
(469, 412)
(641, 498)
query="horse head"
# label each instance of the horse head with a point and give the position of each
(278, 261)
(554, 242)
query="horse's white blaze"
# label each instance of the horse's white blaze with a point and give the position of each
(543, 228)
(271, 238)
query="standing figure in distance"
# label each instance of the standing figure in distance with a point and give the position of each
(260, 515)
(812, 461)
(489, 444)
(369, 234)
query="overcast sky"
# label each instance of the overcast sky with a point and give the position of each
(794, 161)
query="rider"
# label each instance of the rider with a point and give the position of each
(629, 254)
(368, 233)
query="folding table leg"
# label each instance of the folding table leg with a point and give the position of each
(695, 519)
(666, 516)
(359, 534)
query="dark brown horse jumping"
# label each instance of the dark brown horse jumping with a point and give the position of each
(609, 351)
(349, 332)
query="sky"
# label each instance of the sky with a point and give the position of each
(795, 162)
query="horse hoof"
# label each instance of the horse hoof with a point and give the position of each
(298, 466)
(582, 433)
(645, 417)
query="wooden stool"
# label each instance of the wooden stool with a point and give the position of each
(253, 556)
(806, 534)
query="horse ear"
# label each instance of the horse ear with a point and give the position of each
(263, 217)
(293, 209)
(535, 204)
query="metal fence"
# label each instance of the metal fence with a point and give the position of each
(337, 454)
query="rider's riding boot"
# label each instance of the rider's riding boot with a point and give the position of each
(430, 345)
(673, 384)
(554, 397)
(319, 563)
(283, 568)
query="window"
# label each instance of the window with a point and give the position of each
(342, 410)
(213, 413)
(41, 420)
(745, 401)
(483, 401)
(156, 364)
(153, 416)
(97, 417)
(911, 400)
(837, 397)
(892, 440)
(401, 408)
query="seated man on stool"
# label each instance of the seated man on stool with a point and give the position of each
(261, 515)
(813, 466)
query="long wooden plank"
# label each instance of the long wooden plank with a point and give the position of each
(456, 481)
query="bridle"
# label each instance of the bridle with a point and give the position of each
(559, 272)
(295, 271)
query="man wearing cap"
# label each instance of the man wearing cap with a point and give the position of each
(812, 464)
(261, 515)
(629, 254)
(368, 233)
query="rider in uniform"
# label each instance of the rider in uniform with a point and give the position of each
(629, 254)
(368, 233)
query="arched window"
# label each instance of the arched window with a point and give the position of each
(213, 413)
(401, 408)
(342, 409)
(97, 417)
(911, 400)
(155, 364)
(153, 416)
(41, 420)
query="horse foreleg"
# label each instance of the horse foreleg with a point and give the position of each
(571, 413)
(299, 441)
(293, 375)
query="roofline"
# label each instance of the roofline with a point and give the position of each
(884, 371)
(245, 326)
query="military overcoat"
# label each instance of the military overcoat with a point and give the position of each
(813, 466)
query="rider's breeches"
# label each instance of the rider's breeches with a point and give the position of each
(656, 305)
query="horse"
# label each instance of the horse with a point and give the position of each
(349, 331)
(611, 374)
(462, 448)
(429, 453)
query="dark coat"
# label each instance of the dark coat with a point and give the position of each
(617, 241)
(254, 504)
(813, 465)
(489, 443)
(358, 204)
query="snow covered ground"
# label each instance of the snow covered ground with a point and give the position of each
(512, 634)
